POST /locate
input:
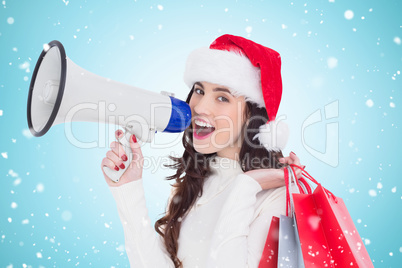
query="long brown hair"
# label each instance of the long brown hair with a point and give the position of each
(193, 168)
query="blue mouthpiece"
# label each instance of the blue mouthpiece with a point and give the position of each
(180, 118)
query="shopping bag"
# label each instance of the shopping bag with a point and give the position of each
(328, 236)
(282, 242)
(269, 258)
(289, 248)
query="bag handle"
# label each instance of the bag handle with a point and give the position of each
(288, 183)
(304, 187)
(286, 174)
(308, 176)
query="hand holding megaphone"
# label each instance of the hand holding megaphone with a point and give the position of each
(124, 162)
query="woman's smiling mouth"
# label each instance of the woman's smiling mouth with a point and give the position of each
(202, 129)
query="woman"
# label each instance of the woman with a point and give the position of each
(229, 181)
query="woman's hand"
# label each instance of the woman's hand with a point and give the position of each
(116, 159)
(273, 178)
(292, 159)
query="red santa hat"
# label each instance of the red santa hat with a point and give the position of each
(248, 69)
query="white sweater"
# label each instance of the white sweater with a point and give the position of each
(227, 226)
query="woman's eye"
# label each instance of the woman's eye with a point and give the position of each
(224, 99)
(197, 90)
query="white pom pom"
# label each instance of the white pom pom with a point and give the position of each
(273, 135)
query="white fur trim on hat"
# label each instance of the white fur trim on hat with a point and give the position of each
(273, 135)
(229, 69)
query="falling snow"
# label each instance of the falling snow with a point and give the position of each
(10, 20)
(348, 14)
(332, 62)
(369, 103)
(27, 134)
(46, 47)
(66, 215)
(25, 66)
(40, 188)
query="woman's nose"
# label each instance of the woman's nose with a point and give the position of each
(203, 106)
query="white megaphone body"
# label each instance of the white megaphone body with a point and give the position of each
(61, 91)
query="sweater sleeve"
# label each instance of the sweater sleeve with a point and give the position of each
(239, 240)
(144, 246)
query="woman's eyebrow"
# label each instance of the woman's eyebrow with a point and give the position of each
(222, 89)
(215, 89)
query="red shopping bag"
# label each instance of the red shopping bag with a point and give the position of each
(271, 252)
(328, 236)
(269, 258)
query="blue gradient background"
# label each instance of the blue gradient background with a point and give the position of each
(56, 209)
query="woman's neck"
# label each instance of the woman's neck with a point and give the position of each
(234, 155)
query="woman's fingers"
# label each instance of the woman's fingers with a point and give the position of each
(285, 160)
(118, 134)
(138, 158)
(116, 160)
(106, 162)
(118, 150)
(298, 173)
(293, 159)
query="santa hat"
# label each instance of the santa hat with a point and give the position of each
(248, 69)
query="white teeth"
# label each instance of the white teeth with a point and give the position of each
(203, 124)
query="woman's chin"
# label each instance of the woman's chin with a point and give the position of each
(204, 148)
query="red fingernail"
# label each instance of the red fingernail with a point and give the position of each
(119, 132)
(124, 158)
(292, 153)
(134, 138)
(122, 166)
(116, 168)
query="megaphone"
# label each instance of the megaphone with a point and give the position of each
(61, 91)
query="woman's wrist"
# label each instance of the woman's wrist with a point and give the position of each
(122, 182)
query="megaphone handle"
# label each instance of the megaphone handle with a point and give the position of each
(116, 175)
